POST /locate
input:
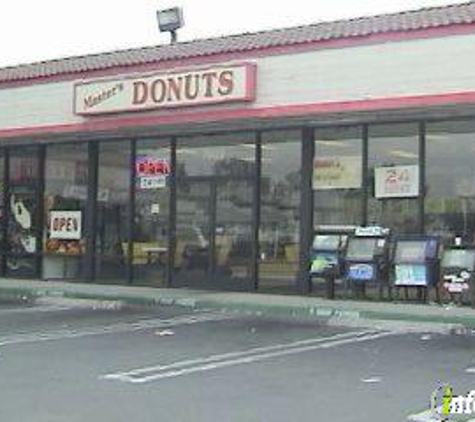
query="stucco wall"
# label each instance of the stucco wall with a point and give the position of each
(429, 66)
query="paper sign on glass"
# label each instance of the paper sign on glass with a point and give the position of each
(337, 173)
(65, 225)
(396, 182)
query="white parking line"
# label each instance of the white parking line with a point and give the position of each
(186, 367)
(121, 327)
(428, 416)
(35, 309)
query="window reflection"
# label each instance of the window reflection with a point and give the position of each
(396, 147)
(215, 176)
(280, 199)
(337, 176)
(450, 169)
(152, 196)
(23, 223)
(113, 208)
(66, 187)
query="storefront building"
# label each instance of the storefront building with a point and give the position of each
(209, 163)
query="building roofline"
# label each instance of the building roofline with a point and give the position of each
(409, 22)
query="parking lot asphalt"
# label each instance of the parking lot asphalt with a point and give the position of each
(71, 360)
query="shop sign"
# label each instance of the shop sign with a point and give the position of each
(164, 90)
(396, 182)
(146, 165)
(337, 173)
(65, 225)
(152, 172)
(411, 275)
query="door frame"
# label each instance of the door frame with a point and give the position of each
(214, 181)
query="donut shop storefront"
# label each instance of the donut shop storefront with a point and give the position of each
(166, 166)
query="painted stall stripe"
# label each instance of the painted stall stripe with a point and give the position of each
(186, 367)
(122, 327)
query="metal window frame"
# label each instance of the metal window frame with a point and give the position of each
(365, 182)
(6, 210)
(90, 231)
(170, 269)
(306, 207)
(256, 212)
(131, 212)
(40, 193)
(422, 176)
(306, 202)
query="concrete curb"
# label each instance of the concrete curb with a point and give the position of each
(240, 303)
(335, 313)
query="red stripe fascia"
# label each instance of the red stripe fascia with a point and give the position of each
(441, 31)
(130, 121)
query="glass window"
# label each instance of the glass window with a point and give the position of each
(65, 197)
(411, 250)
(394, 169)
(361, 248)
(337, 176)
(280, 205)
(152, 205)
(461, 258)
(23, 222)
(450, 179)
(215, 179)
(113, 208)
(215, 155)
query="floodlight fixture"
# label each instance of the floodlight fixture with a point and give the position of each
(169, 20)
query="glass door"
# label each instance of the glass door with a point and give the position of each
(149, 248)
(193, 264)
(214, 233)
(233, 251)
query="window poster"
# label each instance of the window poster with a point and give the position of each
(396, 182)
(337, 173)
(64, 232)
(65, 225)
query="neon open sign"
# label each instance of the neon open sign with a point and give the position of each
(152, 166)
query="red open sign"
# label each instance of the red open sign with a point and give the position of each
(151, 166)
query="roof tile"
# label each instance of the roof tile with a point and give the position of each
(405, 21)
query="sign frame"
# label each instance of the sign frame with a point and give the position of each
(91, 97)
(67, 216)
(397, 181)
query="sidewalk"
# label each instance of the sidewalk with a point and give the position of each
(245, 302)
